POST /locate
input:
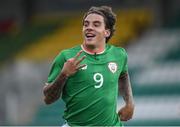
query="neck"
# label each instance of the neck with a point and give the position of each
(92, 49)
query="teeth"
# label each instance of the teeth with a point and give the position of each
(90, 35)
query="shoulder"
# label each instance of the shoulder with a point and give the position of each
(118, 50)
(67, 53)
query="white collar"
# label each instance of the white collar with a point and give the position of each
(91, 52)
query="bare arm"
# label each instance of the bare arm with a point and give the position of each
(125, 90)
(53, 91)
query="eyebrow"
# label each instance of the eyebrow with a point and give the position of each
(96, 21)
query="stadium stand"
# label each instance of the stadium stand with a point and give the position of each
(11, 44)
(153, 66)
(156, 78)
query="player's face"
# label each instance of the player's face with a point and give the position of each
(94, 31)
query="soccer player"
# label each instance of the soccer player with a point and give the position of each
(89, 76)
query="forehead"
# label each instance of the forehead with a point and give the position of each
(94, 17)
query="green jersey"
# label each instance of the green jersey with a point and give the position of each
(91, 93)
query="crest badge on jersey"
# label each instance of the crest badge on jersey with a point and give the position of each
(112, 67)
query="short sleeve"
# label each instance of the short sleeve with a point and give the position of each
(125, 65)
(56, 67)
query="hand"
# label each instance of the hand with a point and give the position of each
(72, 65)
(126, 112)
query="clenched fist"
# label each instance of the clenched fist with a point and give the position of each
(126, 112)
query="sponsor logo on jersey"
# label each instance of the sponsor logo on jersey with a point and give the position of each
(84, 68)
(112, 67)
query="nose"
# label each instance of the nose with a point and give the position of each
(89, 27)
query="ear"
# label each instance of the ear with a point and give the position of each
(107, 33)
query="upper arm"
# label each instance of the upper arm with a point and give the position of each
(124, 79)
(124, 83)
(56, 67)
(124, 76)
(125, 63)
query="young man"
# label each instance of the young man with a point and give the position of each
(90, 75)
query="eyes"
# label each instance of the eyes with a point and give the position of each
(95, 23)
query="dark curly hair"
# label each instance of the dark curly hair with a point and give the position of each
(109, 17)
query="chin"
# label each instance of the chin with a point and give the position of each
(90, 43)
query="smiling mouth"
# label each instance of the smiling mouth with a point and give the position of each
(90, 35)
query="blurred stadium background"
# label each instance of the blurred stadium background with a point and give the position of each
(33, 32)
